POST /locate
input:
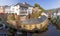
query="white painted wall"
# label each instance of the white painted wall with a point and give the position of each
(54, 15)
(15, 9)
(7, 10)
(30, 9)
(44, 14)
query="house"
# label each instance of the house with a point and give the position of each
(47, 14)
(7, 9)
(22, 9)
(2, 14)
(44, 13)
(19, 9)
(56, 13)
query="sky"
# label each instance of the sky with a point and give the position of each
(46, 4)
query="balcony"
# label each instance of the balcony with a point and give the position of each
(23, 12)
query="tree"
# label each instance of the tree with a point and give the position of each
(37, 5)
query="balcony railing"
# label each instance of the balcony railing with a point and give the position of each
(23, 12)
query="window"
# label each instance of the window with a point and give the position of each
(12, 8)
(17, 9)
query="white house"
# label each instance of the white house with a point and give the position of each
(44, 13)
(58, 12)
(19, 9)
(7, 9)
(24, 8)
(47, 14)
(15, 9)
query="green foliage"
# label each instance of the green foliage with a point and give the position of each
(50, 10)
(42, 9)
(37, 5)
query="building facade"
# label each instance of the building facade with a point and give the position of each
(19, 9)
(31, 24)
(7, 9)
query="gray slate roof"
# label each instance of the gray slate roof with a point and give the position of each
(8, 7)
(34, 21)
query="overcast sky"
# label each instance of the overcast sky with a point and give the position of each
(46, 4)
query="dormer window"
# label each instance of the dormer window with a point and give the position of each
(24, 3)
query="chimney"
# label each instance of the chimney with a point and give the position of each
(24, 3)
